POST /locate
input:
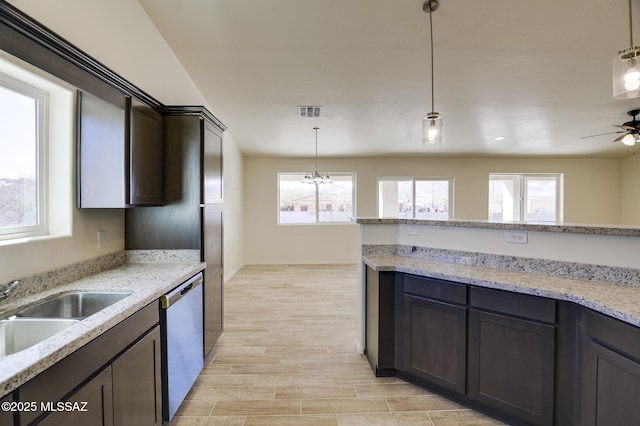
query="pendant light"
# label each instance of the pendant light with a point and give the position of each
(626, 68)
(317, 177)
(432, 123)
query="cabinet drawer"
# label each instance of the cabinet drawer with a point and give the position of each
(435, 289)
(522, 305)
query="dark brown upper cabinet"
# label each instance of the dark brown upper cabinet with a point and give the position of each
(120, 153)
(212, 165)
(146, 157)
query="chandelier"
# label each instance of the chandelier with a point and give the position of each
(317, 177)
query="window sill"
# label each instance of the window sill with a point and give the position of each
(33, 239)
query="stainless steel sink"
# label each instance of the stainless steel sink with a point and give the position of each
(21, 333)
(77, 305)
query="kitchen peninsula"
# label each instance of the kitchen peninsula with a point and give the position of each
(535, 324)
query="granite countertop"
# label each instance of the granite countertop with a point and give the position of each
(616, 300)
(146, 282)
(565, 228)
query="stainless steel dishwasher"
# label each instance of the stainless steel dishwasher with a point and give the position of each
(182, 343)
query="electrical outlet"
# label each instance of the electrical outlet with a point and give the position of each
(414, 231)
(517, 237)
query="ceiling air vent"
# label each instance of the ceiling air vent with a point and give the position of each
(309, 111)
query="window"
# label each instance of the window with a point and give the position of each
(23, 109)
(37, 125)
(525, 197)
(303, 203)
(419, 198)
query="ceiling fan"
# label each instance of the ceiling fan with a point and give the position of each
(630, 133)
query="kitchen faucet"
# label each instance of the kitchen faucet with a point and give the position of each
(8, 289)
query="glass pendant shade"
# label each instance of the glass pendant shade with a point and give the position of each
(626, 73)
(432, 125)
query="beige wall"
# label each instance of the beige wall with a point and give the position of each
(592, 195)
(233, 214)
(26, 258)
(631, 190)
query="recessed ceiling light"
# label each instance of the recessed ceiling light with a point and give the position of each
(498, 138)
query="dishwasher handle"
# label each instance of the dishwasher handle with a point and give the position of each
(179, 292)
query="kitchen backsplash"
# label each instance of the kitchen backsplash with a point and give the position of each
(66, 274)
(581, 271)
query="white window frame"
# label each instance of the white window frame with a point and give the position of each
(523, 196)
(413, 180)
(317, 195)
(42, 98)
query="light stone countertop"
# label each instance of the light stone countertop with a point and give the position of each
(616, 300)
(146, 281)
(564, 228)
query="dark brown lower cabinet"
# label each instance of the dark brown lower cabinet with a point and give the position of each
(609, 377)
(380, 321)
(434, 342)
(528, 360)
(137, 391)
(511, 365)
(611, 394)
(6, 416)
(117, 374)
(91, 405)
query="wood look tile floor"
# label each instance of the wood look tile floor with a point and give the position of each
(288, 357)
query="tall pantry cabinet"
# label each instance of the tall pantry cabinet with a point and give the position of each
(192, 215)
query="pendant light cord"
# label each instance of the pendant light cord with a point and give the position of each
(431, 39)
(630, 25)
(316, 129)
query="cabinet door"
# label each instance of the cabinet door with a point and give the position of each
(137, 388)
(212, 165)
(511, 365)
(91, 405)
(6, 417)
(145, 156)
(213, 276)
(434, 342)
(101, 153)
(611, 385)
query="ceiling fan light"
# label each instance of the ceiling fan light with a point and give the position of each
(432, 124)
(629, 140)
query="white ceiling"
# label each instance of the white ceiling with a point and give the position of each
(536, 72)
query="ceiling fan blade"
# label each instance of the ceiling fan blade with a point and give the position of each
(619, 138)
(624, 127)
(601, 134)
